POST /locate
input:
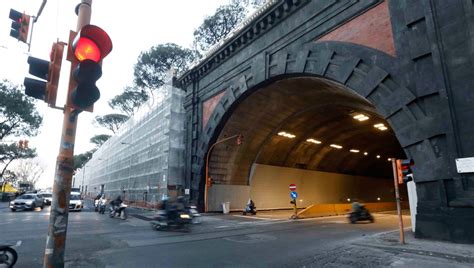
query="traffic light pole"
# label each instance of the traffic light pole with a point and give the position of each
(58, 220)
(208, 185)
(397, 197)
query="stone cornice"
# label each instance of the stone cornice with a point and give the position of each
(256, 25)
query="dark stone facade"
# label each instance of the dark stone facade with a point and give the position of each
(424, 92)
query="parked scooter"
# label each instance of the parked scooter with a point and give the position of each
(118, 211)
(361, 214)
(8, 255)
(250, 208)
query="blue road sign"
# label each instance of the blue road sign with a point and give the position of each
(293, 195)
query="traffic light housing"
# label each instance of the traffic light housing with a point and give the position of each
(87, 50)
(20, 25)
(404, 172)
(48, 72)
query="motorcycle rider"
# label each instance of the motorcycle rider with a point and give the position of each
(357, 207)
(116, 203)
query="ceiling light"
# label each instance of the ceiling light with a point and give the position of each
(284, 134)
(354, 150)
(389, 159)
(378, 156)
(380, 126)
(336, 146)
(360, 117)
(313, 141)
(366, 153)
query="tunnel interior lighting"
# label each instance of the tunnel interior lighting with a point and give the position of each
(336, 146)
(389, 159)
(285, 134)
(348, 200)
(380, 126)
(354, 150)
(360, 117)
(366, 153)
(378, 198)
(378, 156)
(313, 141)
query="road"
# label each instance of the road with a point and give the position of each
(220, 241)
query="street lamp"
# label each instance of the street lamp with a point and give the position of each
(208, 179)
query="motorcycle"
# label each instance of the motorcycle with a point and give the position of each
(362, 214)
(195, 215)
(163, 221)
(102, 204)
(8, 255)
(251, 209)
(119, 211)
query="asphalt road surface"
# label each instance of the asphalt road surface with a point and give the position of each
(96, 240)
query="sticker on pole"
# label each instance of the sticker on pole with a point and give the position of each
(292, 187)
(293, 195)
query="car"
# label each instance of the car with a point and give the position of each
(27, 201)
(75, 202)
(48, 198)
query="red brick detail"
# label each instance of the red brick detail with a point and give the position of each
(208, 107)
(372, 29)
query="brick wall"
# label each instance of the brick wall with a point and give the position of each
(372, 29)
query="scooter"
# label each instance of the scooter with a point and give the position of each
(8, 255)
(119, 211)
(250, 209)
(102, 204)
(195, 215)
(362, 215)
(162, 221)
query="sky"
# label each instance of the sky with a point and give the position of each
(133, 26)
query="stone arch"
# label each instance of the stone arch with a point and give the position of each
(380, 78)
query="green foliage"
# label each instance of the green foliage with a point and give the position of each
(81, 159)
(98, 140)
(153, 66)
(111, 121)
(216, 27)
(129, 101)
(11, 152)
(18, 114)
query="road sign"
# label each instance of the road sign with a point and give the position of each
(293, 195)
(292, 187)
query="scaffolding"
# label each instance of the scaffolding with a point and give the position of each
(145, 159)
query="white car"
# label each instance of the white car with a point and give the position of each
(75, 202)
(48, 198)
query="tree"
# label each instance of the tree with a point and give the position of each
(28, 171)
(111, 121)
(11, 152)
(81, 159)
(98, 140)
(129, 101)
(152, 67)
(18, 114)
(216, 27)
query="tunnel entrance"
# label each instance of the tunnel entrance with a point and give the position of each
(309, 131)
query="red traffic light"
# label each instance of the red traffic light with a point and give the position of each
(91, 43)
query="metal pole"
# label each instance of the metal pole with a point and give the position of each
(397, 198)
(58, 220)
(206, 188)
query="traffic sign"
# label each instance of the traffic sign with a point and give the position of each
(292, 187)
(293, 195)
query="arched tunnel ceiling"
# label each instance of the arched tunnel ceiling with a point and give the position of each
(306, 107)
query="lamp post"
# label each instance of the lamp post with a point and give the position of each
(208, 180)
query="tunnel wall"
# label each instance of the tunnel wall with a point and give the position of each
(269, 188)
